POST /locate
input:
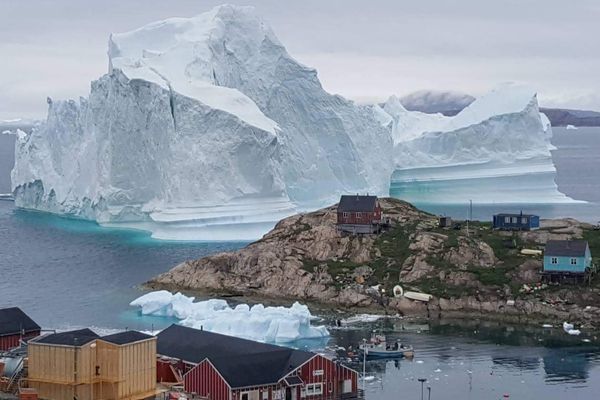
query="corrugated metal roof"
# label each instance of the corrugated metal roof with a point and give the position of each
(566, 248)
(14, 321)
(357, 203)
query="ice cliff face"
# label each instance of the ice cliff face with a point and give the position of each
(504, 125)
(200, 122)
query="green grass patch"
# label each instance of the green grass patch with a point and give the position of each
(496, 276)
(439, 288)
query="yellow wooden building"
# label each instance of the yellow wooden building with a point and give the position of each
(81, 365)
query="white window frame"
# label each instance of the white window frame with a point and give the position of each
(359, 215)
(318, 372)
(346, 214)
(573, 261)
(515, 220)
(313, 389)
(554, 260)
(265, 395)
(507, 220)
(524, 220)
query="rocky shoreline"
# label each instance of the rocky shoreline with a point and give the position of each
(481, 274)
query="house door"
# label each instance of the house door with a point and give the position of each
(290, 393)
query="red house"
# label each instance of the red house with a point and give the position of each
(15, 326)
(221, 367)
(359, 214)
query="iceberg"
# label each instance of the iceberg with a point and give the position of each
(200, 123)
(205, 128)
(257, 322)
(501, 139)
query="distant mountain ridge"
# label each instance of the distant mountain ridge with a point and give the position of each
(450, 103)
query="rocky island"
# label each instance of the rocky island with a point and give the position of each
(476, 272)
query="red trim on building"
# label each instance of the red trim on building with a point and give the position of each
(8, 342)
(318, 372)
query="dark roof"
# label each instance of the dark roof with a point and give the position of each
(357, 203)
(293, 380)
(126, 337)
(566, 248)
(241, 362)
(13, 321)
(259, 368)
(501, 215)
(70, 338)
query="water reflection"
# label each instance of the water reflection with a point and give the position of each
(477, 359)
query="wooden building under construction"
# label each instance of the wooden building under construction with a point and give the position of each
(82, 365)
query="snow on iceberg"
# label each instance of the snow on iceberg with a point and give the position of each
(197, 115)
(257, 322)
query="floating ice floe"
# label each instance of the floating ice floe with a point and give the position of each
(361, 318)
(570, 329)
(257, 322)
(547, 326)
(571, 127)
(567, 326)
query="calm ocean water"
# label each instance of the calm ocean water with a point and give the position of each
(68, 273)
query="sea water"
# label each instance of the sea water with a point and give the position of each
(531, 186)
(71, 273)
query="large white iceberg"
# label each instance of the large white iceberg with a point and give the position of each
(496, 150)
(257, 322)
(205, 128)
(203, 122)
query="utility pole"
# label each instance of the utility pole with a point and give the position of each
(428, 392)
(422, 380)
(364, 362)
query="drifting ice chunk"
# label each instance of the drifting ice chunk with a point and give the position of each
(571, 127)
(265, 324)
(567, 326)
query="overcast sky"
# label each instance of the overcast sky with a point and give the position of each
(365, 50)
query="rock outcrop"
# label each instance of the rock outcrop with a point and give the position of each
(305, 257)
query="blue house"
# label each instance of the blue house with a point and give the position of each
(520, 222)
(567, 257)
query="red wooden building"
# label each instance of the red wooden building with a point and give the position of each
(15, 326)
(359, 214)
(222, 367)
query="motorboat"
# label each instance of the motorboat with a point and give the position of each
(380, 347)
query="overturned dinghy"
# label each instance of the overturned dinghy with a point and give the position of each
(399, 292)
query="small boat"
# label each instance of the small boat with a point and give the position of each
(379, 347)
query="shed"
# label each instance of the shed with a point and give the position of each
(228, 368)
(15, 326)
(520, 222)
(572, 256)
(80, 364)
(359, 214)
(444, 222)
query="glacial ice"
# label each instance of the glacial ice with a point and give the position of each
(257, 322)
(205, 128)
(199, 114)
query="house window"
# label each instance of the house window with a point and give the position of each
(573, 261)
(245, 396)
(554, 260)
(346, 215)
(359, 215)
(313, 389)
(265, 394)
(507, 220)
(514, 220)
(524, 220)
(317, 372)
